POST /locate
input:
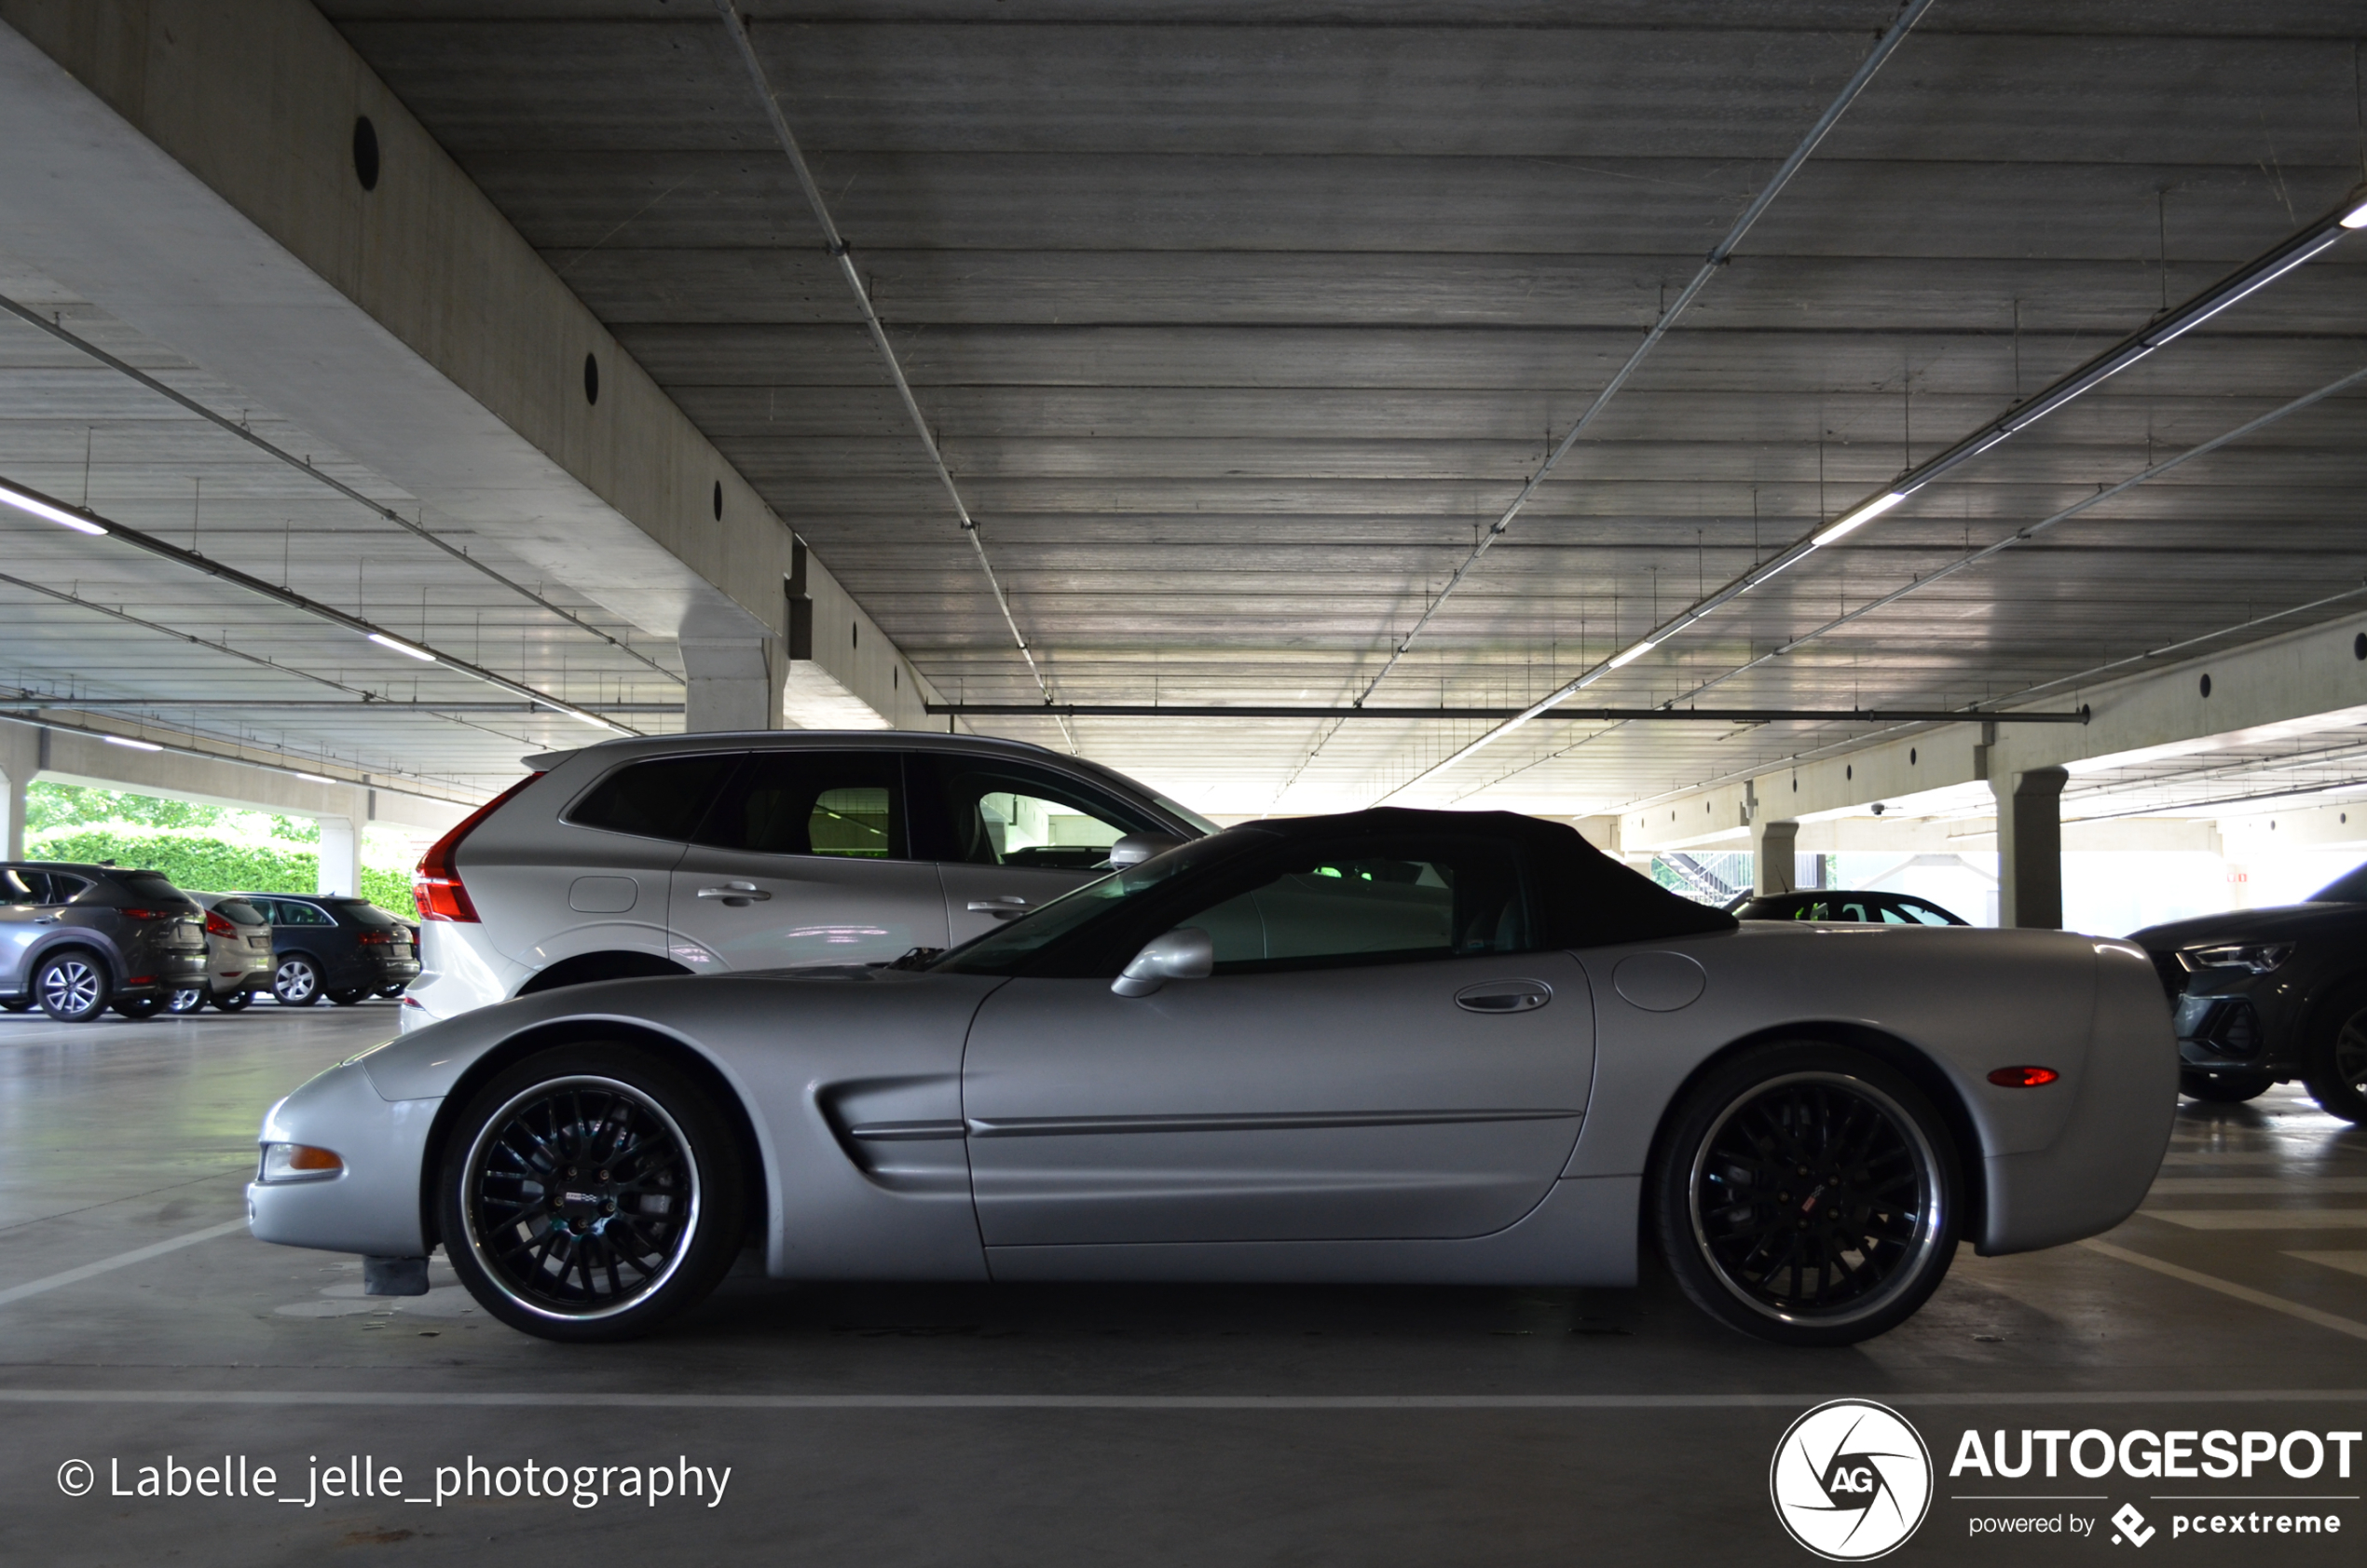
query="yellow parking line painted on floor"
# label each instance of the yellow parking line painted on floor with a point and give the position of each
(121, 1259)
(2349, 1262)
(2261, 1219)
(2340, 1325)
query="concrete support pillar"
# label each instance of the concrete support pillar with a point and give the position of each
(735, 683)
(1772, 867)
(20, 759)
(340, 855)
(2030, 847)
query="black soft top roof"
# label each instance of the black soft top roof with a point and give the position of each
(1590, 900)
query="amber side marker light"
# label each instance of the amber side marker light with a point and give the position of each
(2024, 1077)
(298, 1162)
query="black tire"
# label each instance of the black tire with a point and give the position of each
(504, 1233)
(296, 982)
(15, 1005)
(72, 986)
(347, 996)
(1747, 1157)
(184, 1000)
(391, 991)
(2336, 1069)
(138, 1008)
(235, 1002)
(2224, 1089)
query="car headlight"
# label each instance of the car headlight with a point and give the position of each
(2257, 956)
(298, 1162)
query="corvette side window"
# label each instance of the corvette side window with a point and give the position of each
(1398, 903)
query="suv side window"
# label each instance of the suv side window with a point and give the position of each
(993, 813)
(1391, 903)
(663, 797)
(64, 889)
(844, 804)
(21, 885)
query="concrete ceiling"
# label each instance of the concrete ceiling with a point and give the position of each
(1235, 334)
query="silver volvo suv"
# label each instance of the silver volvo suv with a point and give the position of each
(692, 854)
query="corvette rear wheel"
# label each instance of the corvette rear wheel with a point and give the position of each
(2338, 1073)
(589, 1193)
(1807, 1193)
(2224, 1089)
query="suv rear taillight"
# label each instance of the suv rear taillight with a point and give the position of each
(436, 886)
(215, 925)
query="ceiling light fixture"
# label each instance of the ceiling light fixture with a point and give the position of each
(1619, 660)
(130, 744)
(315, 778)
(1850, 522)
(2356, 217)
(401, 647)
(39, 507)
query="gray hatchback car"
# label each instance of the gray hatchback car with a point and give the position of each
(77, 939)
(694, 855)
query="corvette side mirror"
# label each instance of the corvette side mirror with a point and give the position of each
(1184, 954)
(1136, 848)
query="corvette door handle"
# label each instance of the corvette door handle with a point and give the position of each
(1003, 908)
(1504, 996)
(736, 895)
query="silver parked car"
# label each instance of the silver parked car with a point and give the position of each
(238, 962)
(1451, 1047)
(693, 855)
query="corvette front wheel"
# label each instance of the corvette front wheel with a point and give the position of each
(1807, 1193)
(589, 1193)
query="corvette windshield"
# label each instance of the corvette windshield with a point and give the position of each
(1003, 951)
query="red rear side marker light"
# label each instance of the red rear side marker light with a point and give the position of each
(436, 887)
(2024, 1077)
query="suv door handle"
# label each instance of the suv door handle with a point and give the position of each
(1504, 996)
(1003, 907)
(736, 895)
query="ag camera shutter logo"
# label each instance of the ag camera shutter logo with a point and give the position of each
(1851, 1480)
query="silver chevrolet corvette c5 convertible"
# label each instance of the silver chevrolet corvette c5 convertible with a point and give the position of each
(1390, 1046)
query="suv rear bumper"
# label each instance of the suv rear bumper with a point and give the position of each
(459, 973)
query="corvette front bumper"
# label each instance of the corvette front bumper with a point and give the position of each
(372, 1204)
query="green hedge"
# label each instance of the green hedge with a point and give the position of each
(202, 865)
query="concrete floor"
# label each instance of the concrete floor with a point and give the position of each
(992, 1425)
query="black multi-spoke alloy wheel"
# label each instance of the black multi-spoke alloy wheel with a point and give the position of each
(73, 987)
(2337, 1075)
(296, 982)
(1807, 1193)
(590, 1191)
(2224, 1089)
(139, 1007)
(232, 1001)
(185, 1000)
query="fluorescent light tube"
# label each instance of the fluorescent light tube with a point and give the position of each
(401, 647)
(1859, 518)
(2356, 217)
(582, 717)
(135, 745)
(317, 778)
(23, 502)
(1632, 655)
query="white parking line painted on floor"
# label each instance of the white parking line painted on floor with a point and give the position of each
(2340, 1325)
(2254, 1186)
(2349, 1262)
(553, 1399)
(120, 1260)
(2261, 1219)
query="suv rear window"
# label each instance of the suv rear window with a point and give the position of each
(152, 886)
(661, 798)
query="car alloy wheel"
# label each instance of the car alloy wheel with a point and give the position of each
(297, 982)
(185, 1000)
(72, 988)
(589, 1193)
(2337, 1076)
(1806, 1195)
